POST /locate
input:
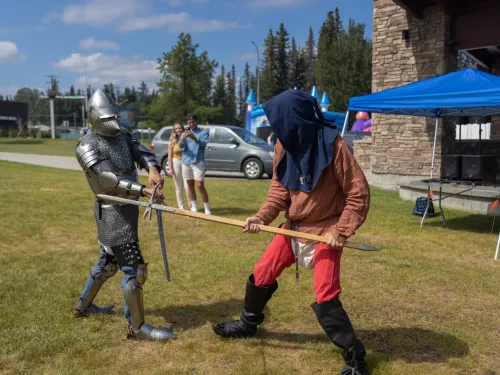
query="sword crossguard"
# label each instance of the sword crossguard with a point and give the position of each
(149, 209)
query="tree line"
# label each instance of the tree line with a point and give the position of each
(339, 62)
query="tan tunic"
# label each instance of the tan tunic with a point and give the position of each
(338, 204)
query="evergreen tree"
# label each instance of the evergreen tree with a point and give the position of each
(268, 87)
(246, 80)
(1, 97)
(219, 96)
(282, 47)
(297, 66)
(310, 61)
(329, 66)
(230, 110)
(241, 104)
(143, 92)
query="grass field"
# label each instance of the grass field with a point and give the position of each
(429, 303)
(43, 146)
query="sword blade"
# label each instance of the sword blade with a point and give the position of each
(163, 245)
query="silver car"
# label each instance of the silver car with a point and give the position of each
(230, 148)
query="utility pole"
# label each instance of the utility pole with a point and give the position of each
(51, 96)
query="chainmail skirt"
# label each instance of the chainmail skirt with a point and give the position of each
(116, 224)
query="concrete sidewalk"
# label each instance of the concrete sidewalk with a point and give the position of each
(68, 162)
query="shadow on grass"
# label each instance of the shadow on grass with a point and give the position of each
(194, 316)
(471, 223)
(25, 142)
(412, 345)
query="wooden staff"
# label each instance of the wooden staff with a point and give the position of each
(236, 223)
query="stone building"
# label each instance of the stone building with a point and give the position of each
(415, 40)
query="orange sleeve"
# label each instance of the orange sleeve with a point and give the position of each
(355, 187)
(278, 196)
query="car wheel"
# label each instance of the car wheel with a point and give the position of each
(164, 166)
(253, 169)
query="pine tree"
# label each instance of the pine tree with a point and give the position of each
(330, 65)
(282, 47)
(310, 61)
(143, 92)
(241, 104)
(219, 95)
(298, 67)
(246, 80)
(230, 110)
(268, 87)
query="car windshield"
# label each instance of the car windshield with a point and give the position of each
(248, 137)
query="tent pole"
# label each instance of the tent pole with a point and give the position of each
(345, 122)
(434, 147)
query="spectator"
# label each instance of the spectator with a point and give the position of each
(175, 163)
(194, 141)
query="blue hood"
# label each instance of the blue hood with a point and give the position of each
(298, 123)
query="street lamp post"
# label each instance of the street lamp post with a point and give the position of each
(258, 73)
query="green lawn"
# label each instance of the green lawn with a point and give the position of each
(429, 303)
(43, 146)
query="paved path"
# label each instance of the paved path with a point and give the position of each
(68, 162)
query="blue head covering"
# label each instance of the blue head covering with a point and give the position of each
(298, 123)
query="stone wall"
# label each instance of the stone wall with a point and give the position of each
(402, 145)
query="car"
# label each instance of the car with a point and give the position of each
(230, 148)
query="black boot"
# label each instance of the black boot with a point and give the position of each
(334, 320)
(256, 298)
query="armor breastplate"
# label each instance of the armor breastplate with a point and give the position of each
(117, 152)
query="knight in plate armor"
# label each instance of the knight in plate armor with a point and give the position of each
(108, 155)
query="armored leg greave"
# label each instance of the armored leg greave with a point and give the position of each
(134, 298)
(256, 298)
(335, 322)
(94, 283)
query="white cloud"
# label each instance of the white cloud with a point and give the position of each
(176, 3)
(91, 43)
(130, 15)
(275, 3)
(100, 12)
(177, 22)
(103, 68)
(10, 52)
(248, 56)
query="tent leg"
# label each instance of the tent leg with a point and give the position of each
(434, 147)
(345, 122)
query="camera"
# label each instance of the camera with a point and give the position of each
(188, 128)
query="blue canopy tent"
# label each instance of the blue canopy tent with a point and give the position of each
(467, 92)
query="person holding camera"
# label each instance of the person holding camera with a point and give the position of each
(193, 141)
(175, 163)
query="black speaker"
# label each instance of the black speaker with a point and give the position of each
(451, 167)
(479, 168)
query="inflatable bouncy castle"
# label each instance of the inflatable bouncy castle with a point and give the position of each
(256, 121)
(363, 123)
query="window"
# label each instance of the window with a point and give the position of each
(221, 135)
(165, 136)
(249, 137)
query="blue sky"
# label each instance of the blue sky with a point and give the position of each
(119, 40)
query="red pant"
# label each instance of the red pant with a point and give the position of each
(279, 255)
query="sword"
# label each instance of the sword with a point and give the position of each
(237, 223)
(161, 234)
